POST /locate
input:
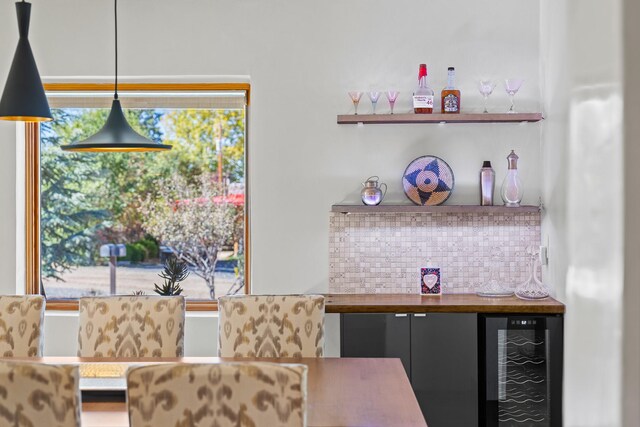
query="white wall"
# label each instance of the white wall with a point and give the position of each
(302, 57)
(583, 157)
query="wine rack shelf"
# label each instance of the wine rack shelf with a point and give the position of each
(405, 208)
(352, 119)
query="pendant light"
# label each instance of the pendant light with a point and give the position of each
(23, 98)
(116, 135)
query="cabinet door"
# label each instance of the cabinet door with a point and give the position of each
(376, 335)
(444, 368)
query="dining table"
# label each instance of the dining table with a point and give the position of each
(340, 391)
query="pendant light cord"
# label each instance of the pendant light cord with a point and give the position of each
(115, 12)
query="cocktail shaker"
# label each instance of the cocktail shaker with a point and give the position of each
(487, 184)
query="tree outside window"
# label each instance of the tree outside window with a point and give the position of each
(188, 203)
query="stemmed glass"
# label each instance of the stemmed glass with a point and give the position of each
(486, 88)
(512, 86)
(355, 98)
(374, 96)
(392, 95)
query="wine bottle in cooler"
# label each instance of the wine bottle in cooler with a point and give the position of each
(423, 96)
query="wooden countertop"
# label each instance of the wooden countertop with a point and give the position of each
(447, 303)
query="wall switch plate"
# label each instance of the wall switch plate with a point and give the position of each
(544, 255)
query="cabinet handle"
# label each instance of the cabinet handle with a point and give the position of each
(420, 315)
(401, 314)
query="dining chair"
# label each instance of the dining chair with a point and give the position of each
(223, 394)
(35, 394)
(271, 326)
(21, 324)
(131, 326)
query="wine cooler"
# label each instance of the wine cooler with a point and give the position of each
(521, 357)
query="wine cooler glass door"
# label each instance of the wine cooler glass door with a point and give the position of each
(522, 386)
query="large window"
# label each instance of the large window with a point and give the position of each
(188, 203)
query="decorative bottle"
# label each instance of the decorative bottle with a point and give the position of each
(487, 184)
(512, 188)
(423, 96)
(450, 98)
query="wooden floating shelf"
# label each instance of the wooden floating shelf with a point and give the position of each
(361, 209)
(352, 119)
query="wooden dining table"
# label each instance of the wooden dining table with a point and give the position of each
(341, 391)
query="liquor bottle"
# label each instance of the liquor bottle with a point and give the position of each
(450, 95)
(423, 96)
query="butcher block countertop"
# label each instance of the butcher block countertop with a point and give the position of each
(447, 303)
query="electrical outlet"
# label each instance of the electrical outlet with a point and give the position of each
(544, 255)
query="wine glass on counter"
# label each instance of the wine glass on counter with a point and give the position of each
(355, 98)
(486, 88)
(374, 96)
(512, 86)
(392, 95)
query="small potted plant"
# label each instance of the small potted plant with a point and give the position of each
(173, 273)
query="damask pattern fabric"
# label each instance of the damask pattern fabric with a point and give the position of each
(271, 326)
(131, 326)
(21, 325)
(217, 395)
(35, 395)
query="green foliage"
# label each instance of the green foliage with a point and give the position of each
(173, 273)
(89, 199)
(70, 215)
(135, 253)
(152, 250)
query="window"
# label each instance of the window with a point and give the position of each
(188, 203)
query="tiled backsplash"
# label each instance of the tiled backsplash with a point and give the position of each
(383, 253)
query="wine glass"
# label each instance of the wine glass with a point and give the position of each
(392, 95)
(486, 88)
(355, 98)
(512, 86)
(374, 96)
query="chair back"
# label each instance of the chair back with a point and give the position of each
(34, 394)
(131, 326)
(21, 324)
(271, 326)
(222, 395)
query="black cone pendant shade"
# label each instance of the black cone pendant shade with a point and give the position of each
(116, 135)
(23, 98)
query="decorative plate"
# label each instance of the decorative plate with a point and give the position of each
(428, 181)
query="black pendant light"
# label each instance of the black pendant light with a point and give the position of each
(116, 135)
(23, 98)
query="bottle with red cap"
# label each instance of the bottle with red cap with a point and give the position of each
(423, 96)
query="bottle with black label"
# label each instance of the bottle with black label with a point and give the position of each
(450, 100)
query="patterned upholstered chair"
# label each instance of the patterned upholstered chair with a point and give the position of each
(131, 326)
(271, 326)
(34, 394)
(222, 395)
(21, 324)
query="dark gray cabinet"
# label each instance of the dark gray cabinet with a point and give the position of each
(444, 367)
(439, 352)
(376, 335)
